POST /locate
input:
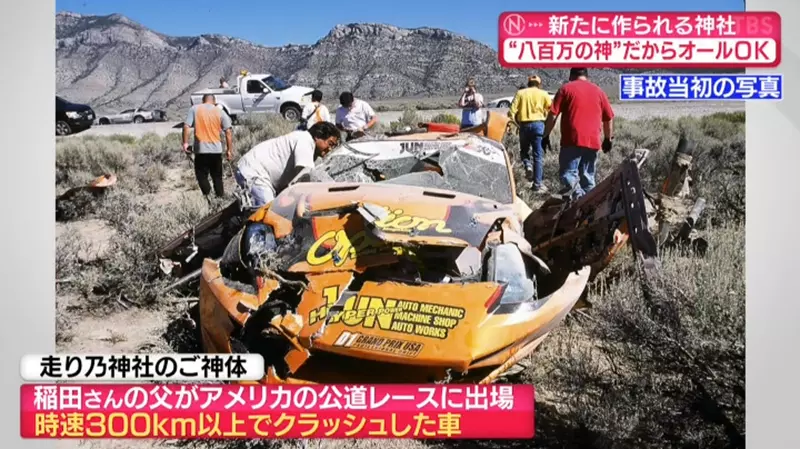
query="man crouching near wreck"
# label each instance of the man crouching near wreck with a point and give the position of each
(268, 167)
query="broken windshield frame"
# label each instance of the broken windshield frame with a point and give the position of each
(472, 165)
(276, 83)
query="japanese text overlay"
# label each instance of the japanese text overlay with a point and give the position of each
(276, 411)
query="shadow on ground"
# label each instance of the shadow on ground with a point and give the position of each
(552, 432)
(183, 332)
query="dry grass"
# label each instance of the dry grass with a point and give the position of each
(665, 370)
(446, 102)
(642, 371)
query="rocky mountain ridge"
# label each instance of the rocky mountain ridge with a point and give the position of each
(113, 62)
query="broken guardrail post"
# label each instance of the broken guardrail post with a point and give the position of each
(699, 245)
(676, 220)
(675, 186)
(676, 183)
(692, 218)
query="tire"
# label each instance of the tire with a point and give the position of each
(292, 113)
(63, 128)
(138, 119)
(103, 121)
(503, 104)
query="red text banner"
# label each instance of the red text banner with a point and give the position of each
(639, 40)
(186, 411)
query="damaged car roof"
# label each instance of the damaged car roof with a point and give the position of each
(469, 164)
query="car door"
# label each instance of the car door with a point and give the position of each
(254, 94)
(125, 116)
(272, 101)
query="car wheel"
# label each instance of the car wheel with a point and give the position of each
(103, 121)
(503, 104)
(138, 119)
(292, 113)
(63, 128)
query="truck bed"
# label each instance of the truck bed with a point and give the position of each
(228, 91)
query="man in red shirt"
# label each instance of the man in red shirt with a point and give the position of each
(584, 110)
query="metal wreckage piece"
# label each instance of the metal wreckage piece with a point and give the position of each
(95, 189)
(405, 259)
(592, 229)
(183, 256)
(674, 212)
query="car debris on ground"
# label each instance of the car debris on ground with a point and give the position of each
(74, 197)
(674, 210)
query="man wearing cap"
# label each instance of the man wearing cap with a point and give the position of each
(584, 110)
(529, 110)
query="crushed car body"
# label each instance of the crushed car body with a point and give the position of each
(410, 259)
(182, 257)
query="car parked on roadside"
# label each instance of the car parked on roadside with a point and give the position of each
(72, 117)
(136, 115)
(505, 102)
(258, 94)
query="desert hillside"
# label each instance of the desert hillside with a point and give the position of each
(113, 62)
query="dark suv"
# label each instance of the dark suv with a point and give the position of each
(72, 117)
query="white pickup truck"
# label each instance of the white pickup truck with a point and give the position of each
(259, 93)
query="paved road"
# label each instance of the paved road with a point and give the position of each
(625, 110)
(160, 128)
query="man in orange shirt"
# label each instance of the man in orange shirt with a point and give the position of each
(208, 122)
(584, 110)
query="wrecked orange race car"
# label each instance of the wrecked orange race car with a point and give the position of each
(411, 259)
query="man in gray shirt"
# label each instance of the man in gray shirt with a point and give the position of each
(208, 122)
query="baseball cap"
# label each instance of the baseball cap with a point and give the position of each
(534, 79)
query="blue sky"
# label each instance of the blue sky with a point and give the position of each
(282, 22)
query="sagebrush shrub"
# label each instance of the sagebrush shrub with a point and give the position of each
(446, 118)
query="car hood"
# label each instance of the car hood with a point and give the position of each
(76, 107)
(340, 216)
(296, 91)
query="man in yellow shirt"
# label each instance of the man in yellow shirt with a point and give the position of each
(529, 109)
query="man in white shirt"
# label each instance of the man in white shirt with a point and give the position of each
(314, 112)
(268, 167)
(354, 116)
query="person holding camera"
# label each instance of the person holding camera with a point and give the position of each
(471, 104)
